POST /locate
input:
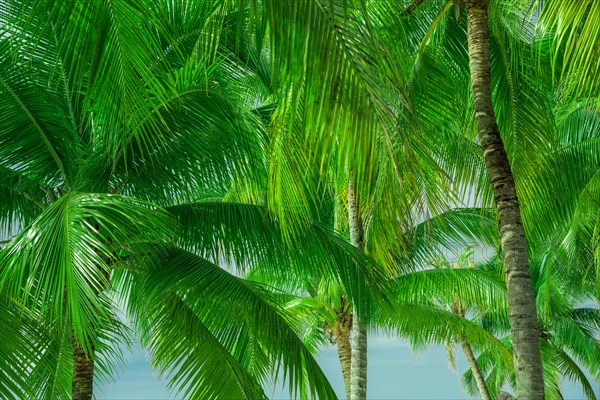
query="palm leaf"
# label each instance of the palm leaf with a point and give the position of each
(233, 315)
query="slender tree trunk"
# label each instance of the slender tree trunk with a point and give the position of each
(479, 379)
(345, 355)
(521, 298)
(358, 379)
(83, 373)
(458, 309)
(505, 396)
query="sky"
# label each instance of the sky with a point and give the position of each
(394, 372)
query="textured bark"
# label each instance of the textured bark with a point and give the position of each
(357, 235)
(358, 378)
(479, 379)
(345, 355)
(521, 298)
(83, 373)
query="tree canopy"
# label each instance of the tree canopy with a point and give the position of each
(234, 182)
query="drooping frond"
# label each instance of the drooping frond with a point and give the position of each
(196, 304)
(574, 36)
(471, 287)
(245, 234)
(61, 262)
(32, 355)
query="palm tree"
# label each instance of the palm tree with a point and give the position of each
(358, 366)
(354, 74)
(561, 299)
(520, 291)
(338, 55)
(123, 129)
(134, 129)
(325, 311)
(568, 339)
(353, 67)
(510, 33)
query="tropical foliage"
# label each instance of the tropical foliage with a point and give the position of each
(238, 184)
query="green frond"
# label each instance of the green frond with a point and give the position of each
(457, 228)
(33, 136)
(30, 354)
(245, 234)
(61, 262)
(571, 371)
(574, 32)
(21, 200)
(480, 290)
(238, 318)
(425, 325)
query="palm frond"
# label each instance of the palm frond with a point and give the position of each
(61, 262)
(245, 234)
(238, 318)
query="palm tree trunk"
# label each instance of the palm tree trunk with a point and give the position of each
(345, 355)
(521, 298)
(83, 373)
(479, 379)
(358, 379)
(505, 396)
(358, 376)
